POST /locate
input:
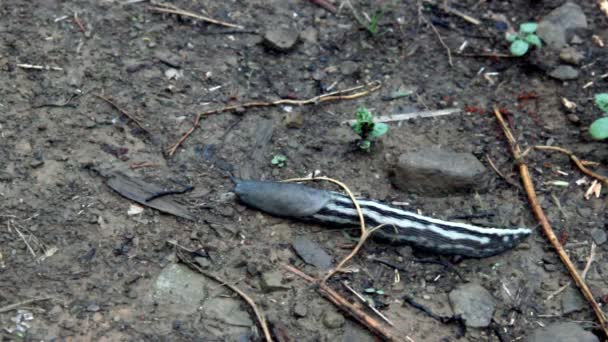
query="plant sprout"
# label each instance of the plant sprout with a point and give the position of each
(521, 41)
(367, 129)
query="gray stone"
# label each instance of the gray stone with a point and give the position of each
(572, 301)
(564, 73)
(571, 55)
(354, 333)
(227, 310)
(575, 119)
(599, 236)
(435, 172)
(180, 287)
(474, 303)
(281, 39)
(333, 319)
(272, 281)
(349, 68)
(554, 27)
(300, 310)
(169, 58)
(312, 253)
(293, 120)
(562, 332)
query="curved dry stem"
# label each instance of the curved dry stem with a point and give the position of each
(579, 163)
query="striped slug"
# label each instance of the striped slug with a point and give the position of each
(402, 227)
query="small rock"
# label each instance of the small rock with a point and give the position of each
(178, 288)
(349, 68)
(293, 120)
(564, 73)
(573, 118)
(281, 39)
(36, 163)
(93, 307)
(436, 172)
(474, 303)
(310, 35)
(228, 310)
(576, 40)
(554, 27)
(571, 55)
(599, 236)
(572, 301)
(333, 319)
(203, 262)
(169, 58)
(312, 253)
(300, 310)
(272, 281)
(354, 333)
(562, 332)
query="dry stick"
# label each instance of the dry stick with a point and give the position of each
(29, 248)
(20, 304)
(548, 231)
(167, 8)
(590, 260)
(493, 166)
(360, 316)
(123, 112)
(326, 5)
(575, 160)
(333, 96)
(258, 313)
(447, 48)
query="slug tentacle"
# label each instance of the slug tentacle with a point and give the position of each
(401, 227)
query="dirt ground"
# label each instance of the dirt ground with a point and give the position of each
(101, 261)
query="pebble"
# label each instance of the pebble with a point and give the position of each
(333, 319)
(36, 163)
(169, 58)
(575, 119)
(293, 120)
(272, 281)
(312, 253)
(571, 55)
(562, 332)
(93, 307)
(555, 25)
(564, 73)
(349, 68)
(599, 236)
(572, 301)
(474, 303)
(281, 39)
(300, 310)
(435, 172)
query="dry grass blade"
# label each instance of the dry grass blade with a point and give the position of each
(547, 229)
(168, 8)
(15, 306)
(579, 163)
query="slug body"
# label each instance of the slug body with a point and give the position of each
(401, 227)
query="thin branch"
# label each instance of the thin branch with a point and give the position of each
(546, 226)
(123, 112)
(590, 260)
(168, 8)
(447, 48)
(22, 303)
(333, 96)
(579, 163)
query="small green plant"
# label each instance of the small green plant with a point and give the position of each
(599, 127)
(372, 24)
(521, 41)
(367, 129)
(279, 160)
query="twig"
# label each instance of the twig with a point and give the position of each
(493, 166)
(575, 160)
(333, 96)
(258, 313)
(546, 226)
(369, 305)
(372, 324)
(326, 5)
(414, 115)
(590, 260)
(30, 249)
(22, 303)
(123, 112)
(39, 67)
(79, 23)
(447, 48)
(168, 8)
(455, 12)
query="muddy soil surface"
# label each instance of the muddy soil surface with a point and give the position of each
(67, 236)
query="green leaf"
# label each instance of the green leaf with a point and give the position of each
(599, 129)
(533, 40)
(528, 27)
(519, 48)
(357, 127)
(380, 292)
(365, 145)
(369, 290)
(512, 37)
(278, 160)
(364, 115)
(601, 100)
(379, 129)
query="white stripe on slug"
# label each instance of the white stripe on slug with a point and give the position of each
(408, 224)
(482, 230)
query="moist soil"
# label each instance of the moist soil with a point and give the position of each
(98, 261)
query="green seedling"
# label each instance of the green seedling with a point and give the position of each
(372, 24)
(521, 41)
(279, 160)
(599, 127)
(367, 129)
(372, 290)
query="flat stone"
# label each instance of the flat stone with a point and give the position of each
(433, 172)
(599, 236)
(554, 27)
(564, 73)
(562, 332)
(312, 253)
(169, 58)
(354, 333)
(227, 310)
(272, 281)
(571, 55)
(474, 303)
(572, 301)
(180, 287)
(333, 319)
(300, 310)
(281, 39)
(293, 120)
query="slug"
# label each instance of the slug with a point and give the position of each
(401, 227)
